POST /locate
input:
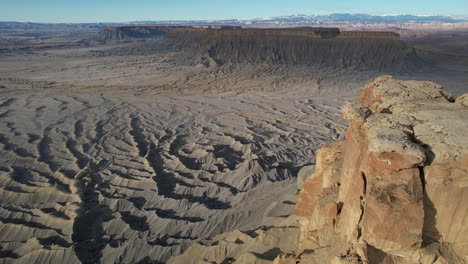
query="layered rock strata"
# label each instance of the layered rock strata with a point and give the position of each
(395, 190)
(149, 31)
(324, 47)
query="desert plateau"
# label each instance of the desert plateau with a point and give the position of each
(270, 141)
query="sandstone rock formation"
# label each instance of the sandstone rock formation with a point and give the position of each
(324, 47)
(303, 174)
(126, 32)
(395, 190)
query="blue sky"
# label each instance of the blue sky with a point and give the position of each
(132, 10)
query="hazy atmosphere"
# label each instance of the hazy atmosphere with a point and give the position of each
(70, 11)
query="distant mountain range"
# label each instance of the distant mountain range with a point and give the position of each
(363, 18)
(324, 19)
(291, 20)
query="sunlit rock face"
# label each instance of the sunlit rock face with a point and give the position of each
(394, 191)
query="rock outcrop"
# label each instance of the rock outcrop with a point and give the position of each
(147, 31)
(395, 190)
(125, 32)
(324, 47)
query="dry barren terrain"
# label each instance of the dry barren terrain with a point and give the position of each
(127, 151)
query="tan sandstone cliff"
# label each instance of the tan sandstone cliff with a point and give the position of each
(396, 190)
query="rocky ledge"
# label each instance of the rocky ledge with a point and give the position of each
(396, 190)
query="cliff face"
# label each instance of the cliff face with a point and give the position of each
(304, 47)
(324, 47)
(140, 31)
(395, 190)
(149, 31)
(127, 32)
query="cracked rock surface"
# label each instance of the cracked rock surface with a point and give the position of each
(395, 190)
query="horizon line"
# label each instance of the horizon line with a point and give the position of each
(455, 17)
